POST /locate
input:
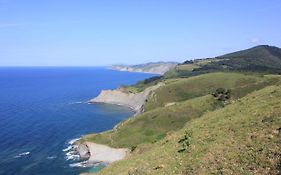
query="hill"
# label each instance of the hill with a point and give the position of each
(171, 106)
(154, 68)
(241, 138)
(262, 59)
(217, 115)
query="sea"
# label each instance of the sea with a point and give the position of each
(43, 110)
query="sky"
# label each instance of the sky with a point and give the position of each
(104, 32)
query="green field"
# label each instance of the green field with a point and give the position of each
(170, 107)
(241, 138)
(153, 125)
(182, 89)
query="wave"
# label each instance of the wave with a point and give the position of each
(68, 148)
(78, 102)
(86, 164)
(22, 154)
(71, 153)
(79, 164)
(51, 157)
(72, 141)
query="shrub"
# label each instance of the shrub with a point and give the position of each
(222, 94)
(185, 142)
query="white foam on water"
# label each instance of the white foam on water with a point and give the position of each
(72, 141)
(51, 157)
(71, 154)
(22, 154)
(68, 148)
(78, 102)
(79, 164)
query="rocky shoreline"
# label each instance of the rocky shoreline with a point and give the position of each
(91, 153)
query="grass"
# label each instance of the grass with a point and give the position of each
(185, 70)
(142, 85)
(241, 138)
(182, 89)
(170, 107)
(153, 125)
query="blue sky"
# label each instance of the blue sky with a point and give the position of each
(103, 32)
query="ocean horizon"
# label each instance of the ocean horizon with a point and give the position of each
(44, 109)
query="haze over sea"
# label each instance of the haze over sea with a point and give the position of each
(43, 109)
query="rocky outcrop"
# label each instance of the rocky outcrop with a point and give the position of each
(134, 101)
(83, 151)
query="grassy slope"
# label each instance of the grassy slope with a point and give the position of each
(191, 95)
(262, 59)
(186, 88)
(241, 138)
(186, 70)
(153, 125)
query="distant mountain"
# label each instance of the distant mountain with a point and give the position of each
(261, 58)
(153, 67)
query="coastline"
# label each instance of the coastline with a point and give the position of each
(159, 68)
(92, 154)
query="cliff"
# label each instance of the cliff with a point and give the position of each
(134, 101)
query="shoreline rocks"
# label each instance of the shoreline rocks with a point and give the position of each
(83, 151)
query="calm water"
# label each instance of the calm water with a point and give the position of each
(42, 109)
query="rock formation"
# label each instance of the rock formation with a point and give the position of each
(134, 101)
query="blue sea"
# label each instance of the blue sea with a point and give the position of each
(42, 110)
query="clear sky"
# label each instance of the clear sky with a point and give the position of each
(103, 32)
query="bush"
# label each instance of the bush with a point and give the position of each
(185, 141)
(222, 94)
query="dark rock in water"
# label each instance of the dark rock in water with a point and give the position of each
(84, 152)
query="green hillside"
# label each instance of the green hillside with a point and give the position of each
(153, 125)
(186, 88)
(241, 138)
(258, 59)
(262, 59)
(177, 102)
(211, 116)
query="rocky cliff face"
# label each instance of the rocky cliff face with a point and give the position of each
(134, 101)
(83, 151)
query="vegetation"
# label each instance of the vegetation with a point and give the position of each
(170, 107)
(154, 125)
(266, 59)
(212, 116)
(182, 89)
(260, 59)
(241, 138)
(222, 94)
(141, 85)
(185, 142)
